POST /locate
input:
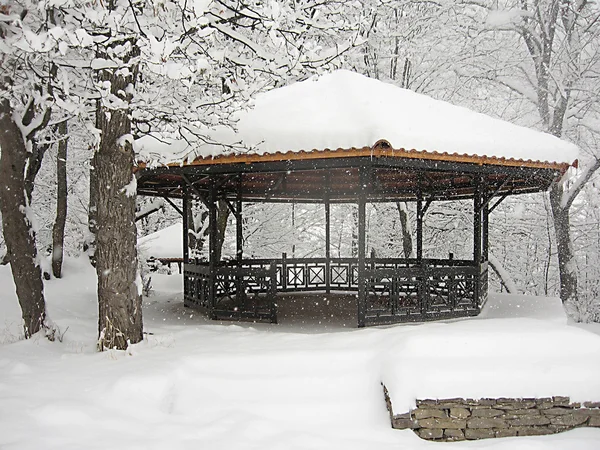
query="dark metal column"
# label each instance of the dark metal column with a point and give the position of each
(362, 282)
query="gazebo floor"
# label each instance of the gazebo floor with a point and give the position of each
(315, 309)
(333, 309)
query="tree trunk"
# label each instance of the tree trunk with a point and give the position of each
(222, 216)
(407, 244)
(119, 299)
(89, 244)
(196, 237)
(503, 275)
(19, 236)
(567, 265)
(58, 231)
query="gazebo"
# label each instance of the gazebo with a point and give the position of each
(346, 138)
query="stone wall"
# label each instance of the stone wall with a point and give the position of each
(458, 419)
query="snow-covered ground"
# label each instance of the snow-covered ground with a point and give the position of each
(312, 384)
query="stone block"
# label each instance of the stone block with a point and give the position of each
(486, 412)
(533, 431)
(544, 403)
(505, 432)
(518, 413)
(426, 402)
(559, 428)
(487, 401)
(570, 420)
(426, 413)
(561, 401)
(530, 420)
(402, 416)
(403, 424)
(459, 413)
(594, 421)
(511, 403)
(435, 422)
(486, 422)
(454, 435)
(591, 404)
(558, 411)
(473, 433)
(427, 433)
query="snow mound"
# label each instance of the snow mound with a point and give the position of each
(165, 243)
(493, 358)
(508, 306)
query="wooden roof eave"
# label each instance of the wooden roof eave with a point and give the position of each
(381, 149)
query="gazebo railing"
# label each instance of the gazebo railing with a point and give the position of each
(396, 290)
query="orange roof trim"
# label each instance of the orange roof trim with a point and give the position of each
(382, 148)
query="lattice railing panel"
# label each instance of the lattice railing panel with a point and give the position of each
(395, 290)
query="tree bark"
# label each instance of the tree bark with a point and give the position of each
(119, 299)
(58, 231)
(567, 266)
(196, 242)
(407, 244)
(89, 244)
(18, 233)
(222, 216)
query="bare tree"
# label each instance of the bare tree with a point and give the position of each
(58, 231)
(554, 69)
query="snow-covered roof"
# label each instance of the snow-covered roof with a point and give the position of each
(345, 110)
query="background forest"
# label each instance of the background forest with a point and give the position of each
(535, 63)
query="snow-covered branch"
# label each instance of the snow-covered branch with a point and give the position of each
(574, 189)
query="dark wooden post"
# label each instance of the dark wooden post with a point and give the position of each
(327, 234)
(485, 216)
(239, 237)
(272, 295)
(423, 290)
(212, 242)
(239, 240)
(482, 273)
(186, 207)
(362, 282)
(477, 209)
(419, 227)
(187, 282)
(284, 272)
